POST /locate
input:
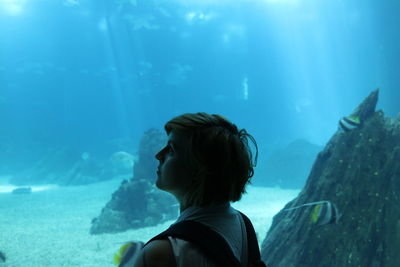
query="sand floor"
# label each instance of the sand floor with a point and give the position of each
(51, 227)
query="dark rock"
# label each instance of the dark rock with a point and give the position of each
(299, 155)
(135, 204)
(138, 203)
(367, 108)
(2, 257)
(22, 191)
(358, 172)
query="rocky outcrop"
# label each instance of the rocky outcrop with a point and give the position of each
(358, 173)
(138, 203)
(2, 257)
(300, 155)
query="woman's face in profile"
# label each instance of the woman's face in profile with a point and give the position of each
(174, 173)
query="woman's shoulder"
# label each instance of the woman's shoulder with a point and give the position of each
(171, 252)
(187, 253)
(157, 253)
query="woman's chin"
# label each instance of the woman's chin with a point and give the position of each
(160, 185)
(163, 187)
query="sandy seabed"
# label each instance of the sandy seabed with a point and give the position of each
(51, 227)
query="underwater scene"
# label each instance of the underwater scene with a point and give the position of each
(87, 86)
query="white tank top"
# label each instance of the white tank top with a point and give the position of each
(223, 219)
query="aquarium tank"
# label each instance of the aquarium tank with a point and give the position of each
(86, 87)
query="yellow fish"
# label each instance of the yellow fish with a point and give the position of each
(315, 213)
(323, 212)
(128, 253)
(118, 256)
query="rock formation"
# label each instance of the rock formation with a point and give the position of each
(138, 203)
(2, 257)
(358, 172)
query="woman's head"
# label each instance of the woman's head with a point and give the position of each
(207, 159)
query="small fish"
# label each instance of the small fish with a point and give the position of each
(324, 212)
(316, 212)
(118, 256)
(349, 123)
(128, 253)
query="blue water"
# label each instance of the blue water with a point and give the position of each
(88, 71)
(84, 73)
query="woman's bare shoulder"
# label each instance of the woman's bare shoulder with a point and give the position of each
(157, 253)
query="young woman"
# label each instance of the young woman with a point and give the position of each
(205, 164)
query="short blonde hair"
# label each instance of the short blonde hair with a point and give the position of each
(220, 154)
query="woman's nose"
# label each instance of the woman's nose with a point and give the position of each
(159, 155)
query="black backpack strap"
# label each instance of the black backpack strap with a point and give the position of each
(252, 243)
(208, 241)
